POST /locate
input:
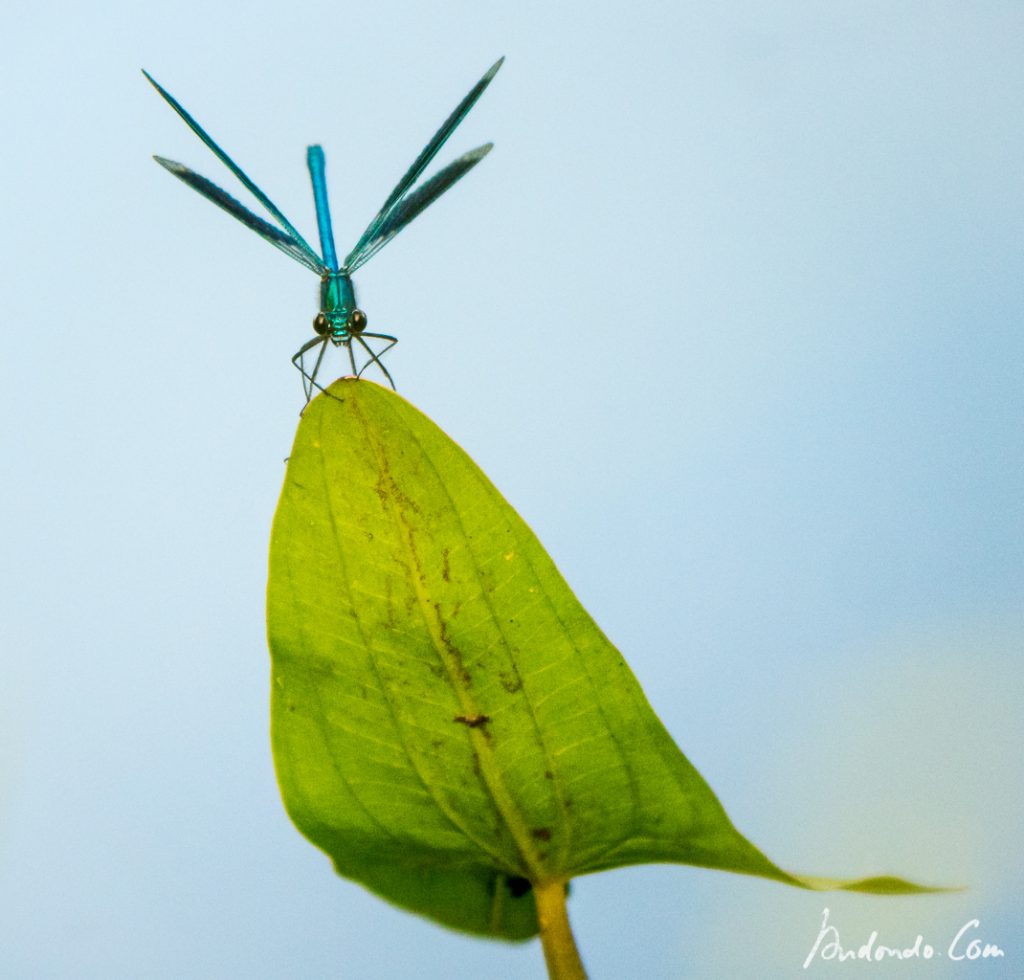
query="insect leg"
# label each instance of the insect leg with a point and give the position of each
(307, 380)
(375, 358)
(316, 370)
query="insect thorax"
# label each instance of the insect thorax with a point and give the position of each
(337, 305)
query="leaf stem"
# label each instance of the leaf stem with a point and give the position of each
(560, 953)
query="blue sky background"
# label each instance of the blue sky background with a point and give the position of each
(732, 315)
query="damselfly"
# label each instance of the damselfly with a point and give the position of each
(340, 321)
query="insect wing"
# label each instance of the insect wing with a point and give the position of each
(418, 201)
(222, 199)
(423, 160)
(236, 170)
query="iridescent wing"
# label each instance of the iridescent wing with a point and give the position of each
(355, 258)
(414, 203)
(313, 260)
(224, 200)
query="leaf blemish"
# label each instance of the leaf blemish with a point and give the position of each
(446, 567)
(541, 833)
(518, 887)
(472, 721)
(511, 683)
(452, 650)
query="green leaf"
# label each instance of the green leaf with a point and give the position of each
(448, 722)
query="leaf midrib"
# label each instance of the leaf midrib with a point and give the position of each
(488, 768)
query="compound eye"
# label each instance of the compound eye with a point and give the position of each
(357, 321)
(320, 324)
